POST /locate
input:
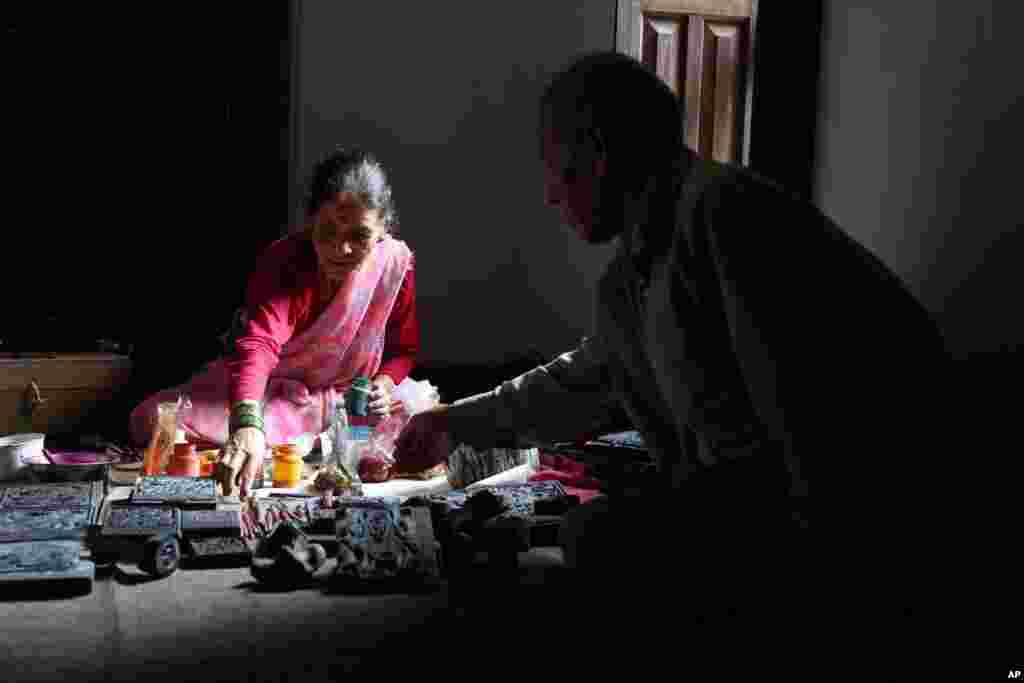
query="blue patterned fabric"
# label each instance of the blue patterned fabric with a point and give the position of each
(521, 496)
(630, 439)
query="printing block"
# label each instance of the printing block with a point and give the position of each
(147, 535)
(44, 561)
(195, 492)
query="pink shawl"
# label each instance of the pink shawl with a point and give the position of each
(315, 367)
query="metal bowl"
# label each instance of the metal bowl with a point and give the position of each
(73, 466)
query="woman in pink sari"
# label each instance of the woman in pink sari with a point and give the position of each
(330, 302)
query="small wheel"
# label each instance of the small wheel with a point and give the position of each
(161, 556)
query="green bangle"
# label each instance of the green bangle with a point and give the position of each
(247, 408)
(237, 422)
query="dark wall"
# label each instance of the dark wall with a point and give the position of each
(919, 136)
(446, 94)
(149, 171)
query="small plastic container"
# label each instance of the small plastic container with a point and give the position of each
(287, 466)
(208, 462)
(359, 396)
(161, 444)
(185, 462)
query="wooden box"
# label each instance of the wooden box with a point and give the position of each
(71, 385)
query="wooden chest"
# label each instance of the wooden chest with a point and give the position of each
(71, 386)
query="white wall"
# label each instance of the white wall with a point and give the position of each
(446, 94)
(920, 133)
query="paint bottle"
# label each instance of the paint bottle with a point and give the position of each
(287, 466)
(161, 445)
(185, 462)
(359, 396)
(208, 462)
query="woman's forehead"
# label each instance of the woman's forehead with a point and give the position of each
(346, 210)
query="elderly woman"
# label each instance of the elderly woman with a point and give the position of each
(332, 301)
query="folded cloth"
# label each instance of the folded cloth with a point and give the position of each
(468, 465)
(573, 476)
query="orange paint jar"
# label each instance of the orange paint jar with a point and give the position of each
(208, 462)
(287, 466)
(185, 462)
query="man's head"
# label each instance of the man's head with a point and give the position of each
(607, 124)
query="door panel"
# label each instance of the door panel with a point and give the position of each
(662, 48)
(714, 73)
(703, 60)
(747, 75)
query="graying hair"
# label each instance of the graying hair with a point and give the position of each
(355, 171)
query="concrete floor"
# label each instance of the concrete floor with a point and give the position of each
(220, 624)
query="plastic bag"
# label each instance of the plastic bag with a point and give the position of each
(183, 413)
(416, 396)
(376, 454)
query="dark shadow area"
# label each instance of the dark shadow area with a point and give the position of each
(259, 587)
(338, 586)
(455, 381)
(45, 590)
(201, 563)
(134, 577)
(149, 174)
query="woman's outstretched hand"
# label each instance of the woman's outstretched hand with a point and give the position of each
(240, 461)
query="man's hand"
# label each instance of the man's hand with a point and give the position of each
(240, 460)
(425, 441)
(382, 390)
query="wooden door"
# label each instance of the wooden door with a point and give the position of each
(702, 50)
(747, 76)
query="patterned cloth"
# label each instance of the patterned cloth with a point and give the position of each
(519, 496)
(573, 475)
(630, 439)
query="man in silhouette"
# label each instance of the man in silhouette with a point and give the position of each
(756, 347)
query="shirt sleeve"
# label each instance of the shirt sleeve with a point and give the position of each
(268, 327)
(402, 335)
(560, 401)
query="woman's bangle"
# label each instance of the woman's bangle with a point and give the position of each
(246, 420)
(247, 407)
